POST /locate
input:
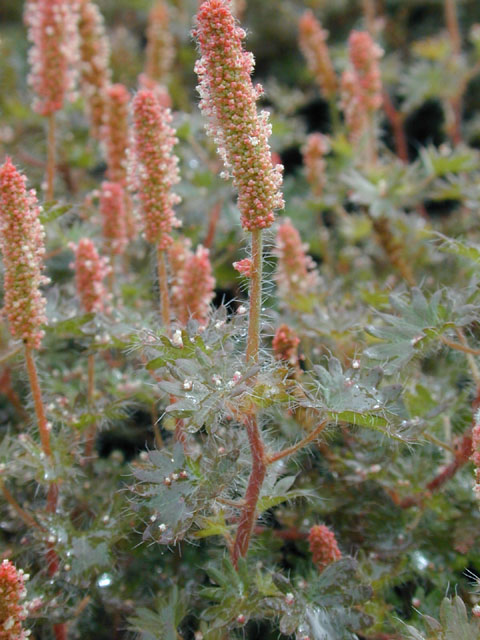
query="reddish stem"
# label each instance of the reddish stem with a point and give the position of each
(163, 286)
(257, 476)
(396, 120)
(38, 403)
(451, 19)
(60, 630)
(212, 224)
(51, 157)
(89, 444)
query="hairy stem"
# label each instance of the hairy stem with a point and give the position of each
(393, 248)
(22, 514)
(451, 19)
(89, 445)
(163, 286)
(213, 219)
(257, 476)
(255, 298)
(51, 157)
(369, 13)
(396, 120)
(38, 402)
(459, 347)
(296, 447)
(60, 630)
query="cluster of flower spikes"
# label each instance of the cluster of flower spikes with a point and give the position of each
(90, 271)
(476, 453)
(296, 272)
(159, 53)
(323, 546)
(22, 244)
(228, 99)
(94, 64)
(361, 85)
(193, 284)
(314, 151)
(313, 44)
(154, 168)
(115, 133)
(114, 217)
(53, 56)
(285, 344)
(12, 592)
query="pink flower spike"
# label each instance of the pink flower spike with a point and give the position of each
(244, 267)
(115, 133)
(159, 43)
(22, 244)
(12, 592)
(361, 84)
(296, 274)
(114, 217)
(313, 44)
(94, 64)
(285, 344)
(364, 56)
(154, 167)
(323, 546)
(52, 30)
(316, 147)
(90, 271)
(193, 286)
(228, 100)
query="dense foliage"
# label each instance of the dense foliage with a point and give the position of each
(190, 477)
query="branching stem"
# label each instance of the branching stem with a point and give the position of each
(296, 447)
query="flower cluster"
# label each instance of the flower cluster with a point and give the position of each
(313, 46)
(323, 546)
(52, 30)
(94, 63)
(90, 271)
(316, 147)
(113, 212)
(228, 99)
(12, 592)
(364, 56)
(159, 43)
(476, 453)
(154, 168)
(285, 344)
(361, 85)
(192, 282)
(116, 133)
(22, 245)
(244, 267)
(296, 273)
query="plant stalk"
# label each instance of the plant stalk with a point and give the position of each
(451, 18)
(163, 286)
(38, 402)
(51, 157)
(60, 630)
(89, 445)
(253, 342)
(257, 476)
(369, 13)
